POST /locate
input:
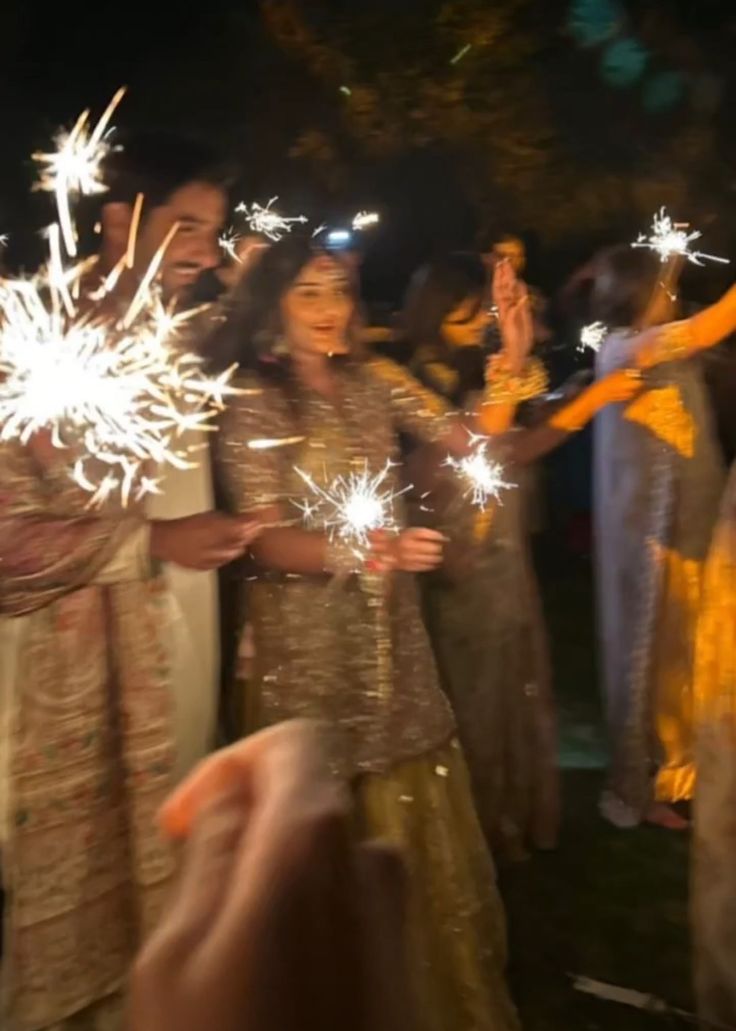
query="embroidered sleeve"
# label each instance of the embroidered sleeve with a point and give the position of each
(416, 411)
(254, 439)
(503, 388)
(663, 413)
(43, 553)
(441, 377)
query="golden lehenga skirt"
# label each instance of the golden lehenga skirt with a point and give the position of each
(457, 932)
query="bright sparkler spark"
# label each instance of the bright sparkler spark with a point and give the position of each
(4, 240)
(119, 393)
(365, 219)
(461, 53)
(74, 168)
(229, 241)
(267, 221)
(483, 478)
(670, 239)
(592, 336)
(353, 506)
(268, 443)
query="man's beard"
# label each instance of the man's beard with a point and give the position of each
(190, 295)
(206, 289)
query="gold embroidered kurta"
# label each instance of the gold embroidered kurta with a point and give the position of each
(322, 642)
(487, 628)
(85, 744)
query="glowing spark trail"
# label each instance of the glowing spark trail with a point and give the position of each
(592, 336)
(267, 221)
(268, 443)
(74, 168)
(228, 241)
(365, 219)
(117, 394)
(353, 506)
(483, 478)
(671, 239)
(463, 52)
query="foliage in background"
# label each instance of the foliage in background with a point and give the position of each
(538, 119)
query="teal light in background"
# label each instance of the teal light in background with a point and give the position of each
(593, 22)
(624, 62)
(663, 91)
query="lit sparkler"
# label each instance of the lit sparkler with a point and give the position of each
(671, 239)
(365, 219)
(74, 168)
(4, 240)
(352, 506)
(483, 478)
(118, 393)
(267, 221)
(592, 336)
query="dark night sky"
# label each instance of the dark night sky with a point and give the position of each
(209, 69)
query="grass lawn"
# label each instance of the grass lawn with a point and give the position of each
(611, 905)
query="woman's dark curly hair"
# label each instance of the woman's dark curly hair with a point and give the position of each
(252, 325)
(436, 290)
(625, 283)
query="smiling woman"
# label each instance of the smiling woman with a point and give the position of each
(319, 307)
(337, 631)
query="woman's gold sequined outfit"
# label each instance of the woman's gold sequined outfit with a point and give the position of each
(355, 656)
(485, 619)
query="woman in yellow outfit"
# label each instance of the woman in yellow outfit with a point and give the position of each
(658, 485)
(713, 902)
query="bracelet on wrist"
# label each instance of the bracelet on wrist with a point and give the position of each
(342, 558)
(505, 388)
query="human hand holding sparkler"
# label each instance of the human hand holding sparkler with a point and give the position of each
(416, 550)
(204, 541)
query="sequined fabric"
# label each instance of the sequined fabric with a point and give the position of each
(87, 749)
(486, 625)
(505, 388)
(457, 940)
(714, 851)
(487, 629)
(656, 503)
(661, 411)
(342, 649)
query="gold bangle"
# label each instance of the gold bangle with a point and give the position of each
(504, 388)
